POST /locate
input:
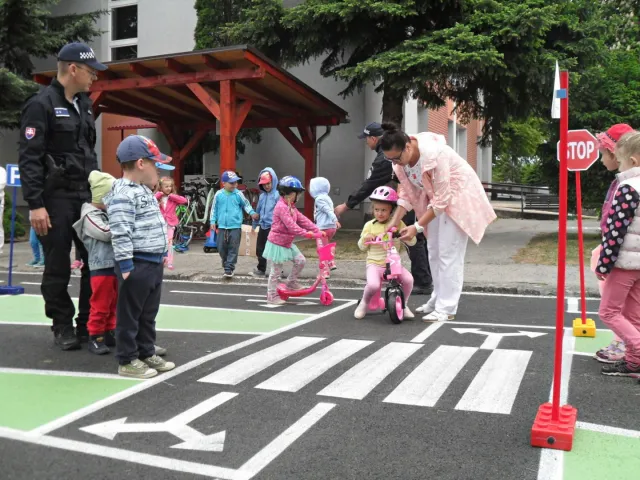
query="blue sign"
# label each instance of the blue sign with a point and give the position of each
(13, 176)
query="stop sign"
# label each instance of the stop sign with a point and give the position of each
(582, 150)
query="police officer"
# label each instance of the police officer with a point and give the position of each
(381, 173)
(56, 155)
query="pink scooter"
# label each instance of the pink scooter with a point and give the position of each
(326, 254)
(393, 300)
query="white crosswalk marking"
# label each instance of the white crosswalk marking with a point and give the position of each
(494, 388)
(426, 384)
(308, 369)
(357, 382)
(250, 365)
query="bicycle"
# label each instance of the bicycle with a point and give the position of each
(200, 202)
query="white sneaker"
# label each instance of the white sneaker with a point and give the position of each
(408, 314)
(437, 317)
(276, 301)
(361, 310)
(426, 308)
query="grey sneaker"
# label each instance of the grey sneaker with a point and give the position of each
(257, 273)
(159, 364)
(137, 369)
(160, 351)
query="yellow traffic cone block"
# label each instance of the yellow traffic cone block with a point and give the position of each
(587, 329)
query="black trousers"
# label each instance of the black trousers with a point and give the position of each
(138, 305)
(419, 256)
(263, 234)
(56, 244)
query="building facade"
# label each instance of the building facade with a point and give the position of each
(142, 28)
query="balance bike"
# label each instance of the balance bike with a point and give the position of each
(326, 254)
(393, 301)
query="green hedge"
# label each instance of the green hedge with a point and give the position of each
(6, 221)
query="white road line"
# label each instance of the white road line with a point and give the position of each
(35, 283)
(510, 325)
(94, 407)
(172, 330)
(495, 387)
(357, 382)
(426, 384)
(119, 454)
(427, 332)
(265, 456)
(59, 373)
(551, 460)
(248, 366)
(622, 432)
(309, 368)
(582, 354)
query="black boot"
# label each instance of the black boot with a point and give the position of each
(97, 345)
(65, 338)
(110, 338)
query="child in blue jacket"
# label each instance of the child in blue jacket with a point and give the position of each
(268, 183)
(226, 220)
(323, 214)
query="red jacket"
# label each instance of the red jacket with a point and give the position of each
(169, 210)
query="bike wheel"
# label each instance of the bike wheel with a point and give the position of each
(395, 305)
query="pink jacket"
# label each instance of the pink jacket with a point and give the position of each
(288, 223)
(169, 210)
(450, 186)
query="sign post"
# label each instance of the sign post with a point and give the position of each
(554, 425)
(582, 152)
(13, 180)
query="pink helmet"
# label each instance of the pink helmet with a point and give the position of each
(384, 194)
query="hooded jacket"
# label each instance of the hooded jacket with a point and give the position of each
(93, 229)
(323, 215)
(226, 211)
(267, 201)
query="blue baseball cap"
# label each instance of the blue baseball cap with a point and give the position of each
(165, 166)
(374, 129)
(137, 146)
(80, 53)
(230, 177)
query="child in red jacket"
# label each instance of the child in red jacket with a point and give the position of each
(168, 201)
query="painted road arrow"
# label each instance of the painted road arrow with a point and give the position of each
(177, 426)
(493, 338)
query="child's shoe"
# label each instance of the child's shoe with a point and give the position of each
(110, 338)
(361, 310)
(160, 351)
(77, 265)
(622, 369)
(612, 353)
(257, 273)
(293, 286)
(159, 364)
(276, 301)
(228, 274)
(170, 266)
(137, 369)
(408, 314)
(33, 263)
(40, 264)
(97, 345)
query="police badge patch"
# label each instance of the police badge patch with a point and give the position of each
(29, 133)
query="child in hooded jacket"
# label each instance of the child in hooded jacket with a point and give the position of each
(168, 201)
(269, 197)
(324, 216)
(288, 223)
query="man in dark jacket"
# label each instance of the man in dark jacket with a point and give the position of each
(56, 156)
(381, 173)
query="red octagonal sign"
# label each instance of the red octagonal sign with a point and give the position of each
(582, 150)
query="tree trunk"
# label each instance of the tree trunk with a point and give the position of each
(392, 102)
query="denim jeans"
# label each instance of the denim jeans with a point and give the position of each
(36, 246)
(228, 246)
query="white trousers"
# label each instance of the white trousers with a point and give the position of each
(447, 247)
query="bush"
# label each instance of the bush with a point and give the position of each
(532, 173)
(6, 220)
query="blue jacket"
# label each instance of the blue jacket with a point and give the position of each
(323, 210)
(267, 201)
(226, 212)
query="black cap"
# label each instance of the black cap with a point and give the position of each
(80, 53)
(374, 129)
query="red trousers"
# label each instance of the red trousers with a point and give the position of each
(104, 297)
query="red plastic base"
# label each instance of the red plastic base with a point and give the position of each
(547, 433)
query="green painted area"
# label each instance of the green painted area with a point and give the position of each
(31, 309)
(28, 401)
(601, 456)
(592, 345)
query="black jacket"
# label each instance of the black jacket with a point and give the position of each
(380, 174)
(57, 146)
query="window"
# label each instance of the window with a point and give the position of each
(125, 22)
(124, 53)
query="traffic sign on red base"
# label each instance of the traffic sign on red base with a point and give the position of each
(582, 150)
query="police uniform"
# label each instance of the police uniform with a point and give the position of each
(56, 155)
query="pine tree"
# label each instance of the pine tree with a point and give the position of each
(27, 30)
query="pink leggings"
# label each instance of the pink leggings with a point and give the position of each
(170, 232)
(620, 309)
(374, 282)
(595, 256)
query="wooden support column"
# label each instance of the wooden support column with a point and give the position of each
(307, 149)
(227, 126)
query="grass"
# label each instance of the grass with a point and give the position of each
(543, 249)
(346, 248)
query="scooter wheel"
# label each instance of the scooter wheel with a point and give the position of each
(326, 298)
(395, 307)
(207, 250)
